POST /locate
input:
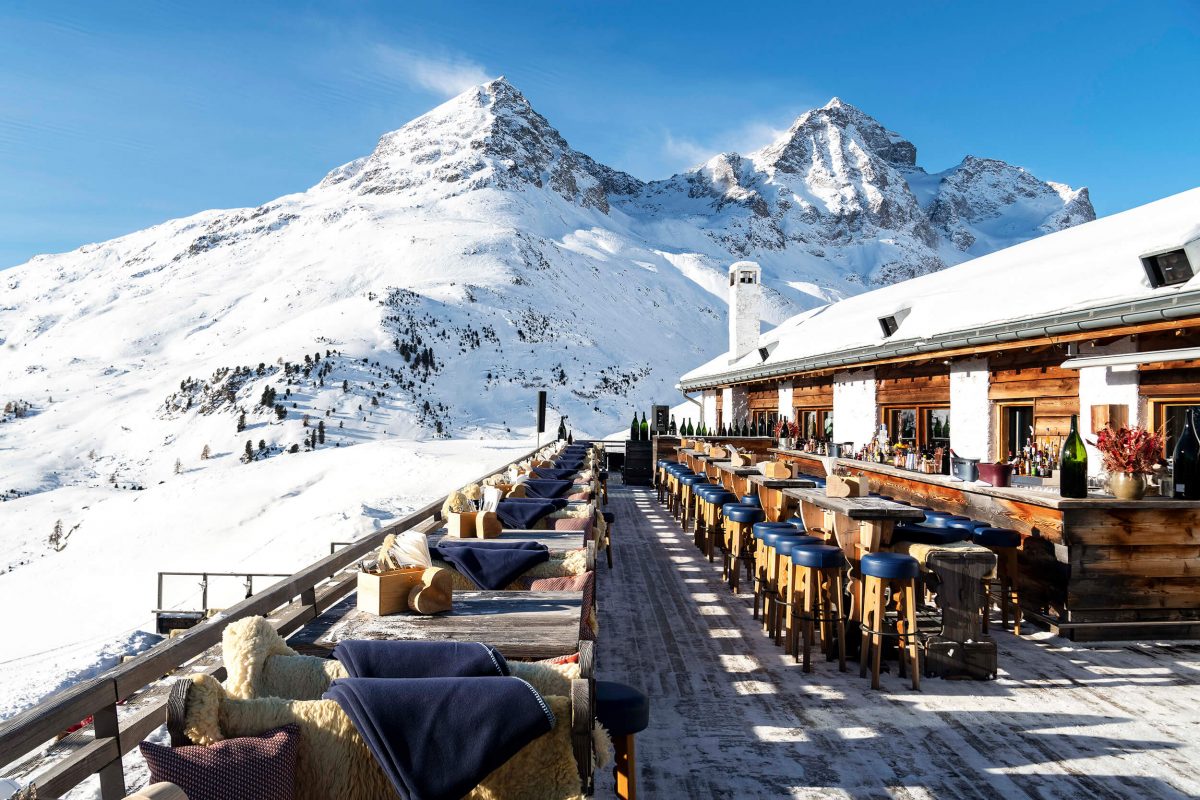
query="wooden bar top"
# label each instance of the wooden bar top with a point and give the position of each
(739, 471)
(521, 625)
(782, 483)
(857, 507)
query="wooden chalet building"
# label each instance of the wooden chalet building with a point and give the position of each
(1100, 320)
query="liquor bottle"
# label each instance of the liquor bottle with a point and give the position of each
(691, 427)
(635, 430)
(672, 429)
(645, 428)
(1073, 482)
(1186, 459)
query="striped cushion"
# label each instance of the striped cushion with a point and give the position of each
(573, 583)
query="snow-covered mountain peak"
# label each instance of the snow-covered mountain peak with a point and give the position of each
(834, 121)
(488, 136)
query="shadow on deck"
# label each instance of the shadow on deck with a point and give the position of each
(732, 716)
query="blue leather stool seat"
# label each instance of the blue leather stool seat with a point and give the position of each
(996, 537)
(739, 512)
(702, 490)
(818, 556)
(799, 523)
(785, 544)
(969, 525)
(772, 538)
(943, 520)
(722, 498)
(751, 500)
(693, 479)
(621, 709)
(926, 534)
(609, 517)
(887, 497)
(762, 528)
(889, 565)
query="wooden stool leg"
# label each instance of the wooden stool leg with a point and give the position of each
(810, 592)
(864, 617)
(789, 599)
(913, 646)
(625, 767)
(836, 607)
(877, 609)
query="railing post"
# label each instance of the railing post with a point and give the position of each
(112, 774)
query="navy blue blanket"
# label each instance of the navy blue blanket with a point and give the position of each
(569, 463)
(437, 738)
(544, 488)
(546, 473)
(492, 564)
(382, 658)
(523, 513)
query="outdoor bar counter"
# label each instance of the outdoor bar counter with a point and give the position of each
(1093, 569)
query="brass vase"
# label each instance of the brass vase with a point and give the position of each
(1127, 485)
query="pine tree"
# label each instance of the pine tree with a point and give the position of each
(205, 453)
(321, 432)
(56, 537)
(346, 386)
(249, 451)
(178, 467)
(241, 425)
(280, 411)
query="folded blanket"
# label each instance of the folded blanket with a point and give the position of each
(573, 464)
(523, 513)
(547, 473)
(381, 658)
(437, 738)
(493, 564)
(542, 488)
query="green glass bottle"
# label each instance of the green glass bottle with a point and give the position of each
(1072, 466)
(635, 430)
(672, 429)
(645, 428)
(691, 427)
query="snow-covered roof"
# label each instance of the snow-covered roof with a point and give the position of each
(1057, 281)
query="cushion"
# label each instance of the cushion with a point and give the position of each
(927, 534)
(721, 498)
(937, 520)
(751, 500)
(888, 565)
(818, 556)
(261, 767)
(573, 524)
(772, 538)
(580, 497)
(996, 537)
(621, 709)
(738, 512)
(785, 544)
(766, 527)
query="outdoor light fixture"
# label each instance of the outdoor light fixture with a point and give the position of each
(888, 325)
(1172, 267)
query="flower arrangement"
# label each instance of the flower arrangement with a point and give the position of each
(781, 428)
(794, 429)
(1133, 450)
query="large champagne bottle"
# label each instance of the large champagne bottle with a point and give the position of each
(635, 430)
(691, 427)
(1186, 459)
(1073, 467)
(671, 429)
(645, 428)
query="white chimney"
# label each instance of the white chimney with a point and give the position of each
(744, 290)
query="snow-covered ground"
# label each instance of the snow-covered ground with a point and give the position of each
(71, 613)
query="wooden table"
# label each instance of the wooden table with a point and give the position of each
(559, 543)
(859, 525)
(775, 502)
(521, 625)
(736, 479)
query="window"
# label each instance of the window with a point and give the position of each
(918, 426)
(1167, 269)
(1016, 429)
(766, 419)
(814, 423)
(888, 325)
(1168, 418)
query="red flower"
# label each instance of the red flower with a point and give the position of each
(1129, 449)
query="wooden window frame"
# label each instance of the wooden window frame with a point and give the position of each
(1154, 413)
(922, 432)
(1000, 440)
(823, 413)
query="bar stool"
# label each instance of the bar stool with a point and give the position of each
(818, 582)
(751, 499)
(739, 521)
(609, 518)
(899, 572)
(675, 486)
(939, 519)
(779, 582)
(757, 533)
(624, 712)
(686, 501)
(927, 534)
(714, 501)
(1004, 542)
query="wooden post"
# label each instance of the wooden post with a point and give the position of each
(112, 774)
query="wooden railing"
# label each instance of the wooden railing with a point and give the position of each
(292, 602)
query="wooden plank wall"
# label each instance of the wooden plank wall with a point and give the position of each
(1169, 379)
(762, 397)
(1053, 390)
(812, 393)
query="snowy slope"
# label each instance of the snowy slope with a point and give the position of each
(424, 291)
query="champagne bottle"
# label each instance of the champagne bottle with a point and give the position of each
(645, 428)
(1186, 459)
(1073, 469)
(672, 429)
(635, 430)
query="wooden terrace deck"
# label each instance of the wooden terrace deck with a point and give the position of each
(733, 717)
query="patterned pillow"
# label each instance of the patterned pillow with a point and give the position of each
(574, 583)
(261, 767)
(573, 524)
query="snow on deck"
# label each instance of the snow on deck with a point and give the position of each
(732, 716)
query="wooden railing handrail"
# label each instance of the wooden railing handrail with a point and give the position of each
(98, 696)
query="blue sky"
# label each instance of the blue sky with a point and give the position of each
(115, 116)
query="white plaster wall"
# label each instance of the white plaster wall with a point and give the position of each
(744, 310)
(785, 399)
(970, 410)
(708, 408)
(1100, 386)
(854, 409)
(736, 404)
(727, 405)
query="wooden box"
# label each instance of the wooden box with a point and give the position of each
(387, 592)
(838, 486)
(461, 525)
